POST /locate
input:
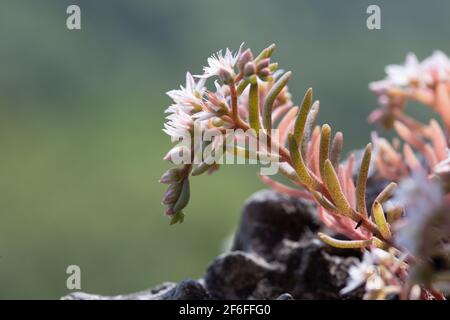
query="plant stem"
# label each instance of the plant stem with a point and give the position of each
(234, 105)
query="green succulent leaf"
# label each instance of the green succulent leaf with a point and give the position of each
(271, 97)
(183, 199)
(362, 180)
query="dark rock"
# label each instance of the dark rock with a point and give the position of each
(155, 293)
(240, 275)
(185, 290)
(285, 296)
(269, 218)
(188, 290)
(275, 255)
(314, 273)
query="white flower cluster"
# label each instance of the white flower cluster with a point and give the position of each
(193, 103)
(210, 125)
(373, 272)
(414, 74)
(219, 64)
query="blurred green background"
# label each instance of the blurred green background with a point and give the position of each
(81, 114)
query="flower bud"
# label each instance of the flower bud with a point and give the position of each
(264, 63)
(249, 69)
(246, 57)
(169, 211)
(264, 73)
(172, 194)
(171, 176)
(184, 196)
(226, 75)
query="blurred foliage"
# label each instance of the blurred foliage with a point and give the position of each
(81, 114)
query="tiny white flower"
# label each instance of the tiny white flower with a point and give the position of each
(188, 97)
(220, 91)
(219, 99)
(220, 62)
(365, 272)
(178, 125)
(438, 64)
(374, 283)
(403, 75)
(203, 115)
(381, 86)
(358, 274)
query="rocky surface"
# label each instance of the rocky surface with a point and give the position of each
(185, 290)
(275, 255)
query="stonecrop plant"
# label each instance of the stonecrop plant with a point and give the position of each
(248, 112)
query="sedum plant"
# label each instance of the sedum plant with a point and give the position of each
(404, 232)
